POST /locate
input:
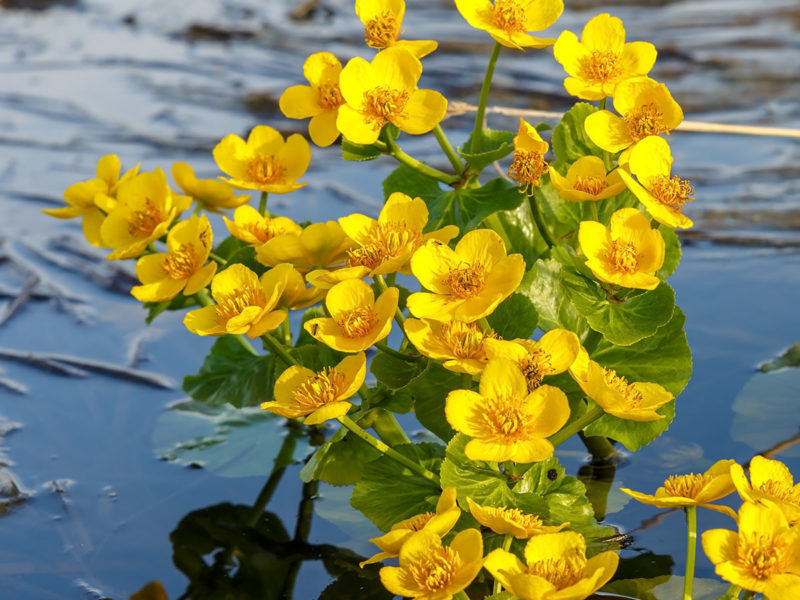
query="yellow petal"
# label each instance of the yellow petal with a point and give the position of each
(295, 156)
(398, 68)
(332, 410)
(608, 131)
(604, 33)
(720, 545)
(349, 295)
(481, 246)
(462, 410)
(399, 207)
(322, 128)
(549, 408)
(300, 102)
(570, 53)
(540, 14)
(322, 67)
(502, 379)
(354, 126)
(424, 110)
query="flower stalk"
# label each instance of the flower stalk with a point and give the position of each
(447, 147)
(691, 550)
(589, 417)
(487, 85)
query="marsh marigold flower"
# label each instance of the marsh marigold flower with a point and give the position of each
(385, 91)
(528, 164)
(511, 521)
(300, 392)
(320, 100)
(586, 180)
(252, 227)
(212, 194)
(182, 268)
(264, 162)
(556, 569)
(460, 345)
(318, 246)
(508, 21)
(297, 294)
(627, 254)
(772, 481)
(439, 522)
(430, 571)
(245, 303)
(466, 283)
(357, 319)
(763, 556)
(663, 195)
(601, 59)
(383, 20)
(504, 420)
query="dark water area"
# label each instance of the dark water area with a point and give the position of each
(87, 501)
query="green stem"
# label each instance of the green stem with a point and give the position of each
(217, 259)
(732, 593)
(506, 546)
(487, 85)
(484, 325)
(398, 314)
(262, 204)
(591, 211)
(590, 416)
(493, 221)
(388, 429)
(599, 447)
(606, 153)
(749, 595)
(412, 162)
(392, 352)
(386, 450)
(691, 550)
(277, 348)
(286, 332)
(537, 218)
(452, 156)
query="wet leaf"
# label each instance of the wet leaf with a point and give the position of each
(492, 145)
(430, 392)
(790, 358)
(544, 285)
(339, 461)
(570, 141)
(412, 183)
(515, 317)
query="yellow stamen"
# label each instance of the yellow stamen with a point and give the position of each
(633, 398)
(645, 120)
(232, 305)
(591, 184)
(142, 222)
(435, 569)
(358, 322)
(465, 281)
(762, 556)
(509, 16)
(601, 66)
(382, 104)
(561, 572)
(381, 31)
(370, 256)
(781, 491)
(180, 263)
(527, 169)
(671, 191)
(320, 389)
(623, 256)
(388, 240)
(686, 486)
(264, 230)
(330, 96)
(515, 516)
(465, 340)
(534, 367)
(415, 523)
(506, 418)
(265, 169)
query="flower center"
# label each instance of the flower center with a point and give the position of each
(686, 486)
(509, 16)
(506, 418)
(415, 523)
(435, 569)
(534, 367)
(465, 281)
(761, 555)
(781, 491)
(601, 66)
(180, 263)
(142, 222)
(527, 168)
(465, 340)
(370, 256)
(265, 169)
(389, 240)
(264, 230)
(321, 388)
(382, 104)
(358, 322)
(330, 96)
(591, 184)
(516, 516)
(381, 31)
(232, 305)
(561, 572)
(623, 256)
(645, 120)
(671, 191)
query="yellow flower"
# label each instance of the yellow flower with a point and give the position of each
(382, 21)
(300, 392)
(647, 108)
(320, 245)
(769, 480)
(763, 556)
(601, 59)
(246, 304)
(386, 245)
(628, 254)
(557, 568)
(320, 100)
(554, 353)
(586, 179)
(466, 283)
(511, 521)
(211, 194)
(264, 162)
(692, 490)
(460, 345)
(385, 91)
(528, 164)
(297, 295)
(663, 196)
(252, 227)
(440, 523)
(430, 571)
(357, 320)
(144, 210)
(181, 268)
(504, 420)
(80, 197)
(637, 401)
(507, 21)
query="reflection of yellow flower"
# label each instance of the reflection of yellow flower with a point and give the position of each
(211, 194)
(382, 21)
(507, 21)
(245, 303)
(528, 164)
(181, 268)
(557, 568)
(466, 283)
(511, 521)
(264, 162)
(628, 254)
(385, 91)
(637, 401)
(554, 353)
(692, 490)
(662, 195)
(601, 59)
(252, 227)
(320, 100)
(430, 571)
(504, 420)
(769, 480)
(440, 523)
(297, 294)
(318, 246)
(586, 179)
(357, 320)
(460, 345)
(300, 392)
(763, 557)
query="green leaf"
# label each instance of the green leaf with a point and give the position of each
(412, 183)
(519, 229)
(388, 492)
(790, 358)
(230, 374)
(395, 373)
(492, 145)
(544, 286)
(179, 302)
(502, 596)
(633, 434)
(561, 217)
(672, 252)
(474, 479)
(515, 317)
(606, 208)
(570, 141)
(358, 152)
(235, 251)
(339, 461)
(466, 208)
(430, 392)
